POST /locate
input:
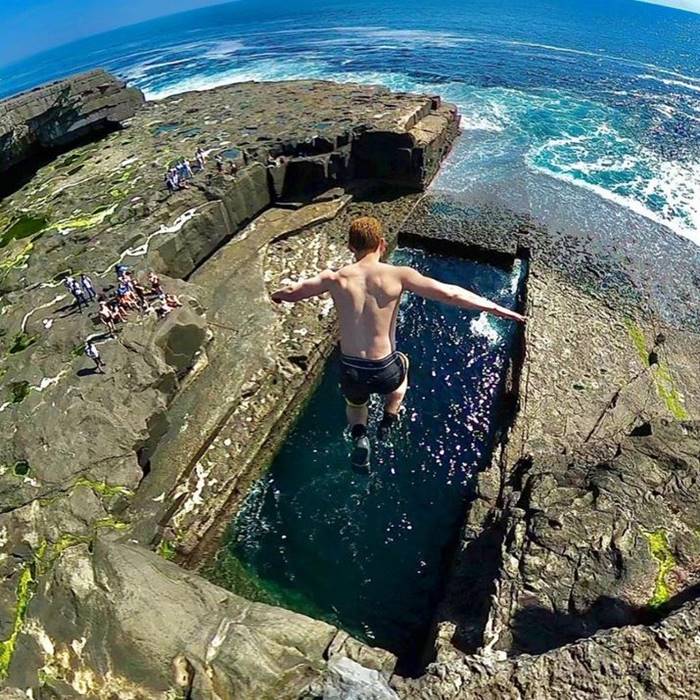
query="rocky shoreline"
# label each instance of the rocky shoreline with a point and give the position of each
(576, 569)
(106, 477)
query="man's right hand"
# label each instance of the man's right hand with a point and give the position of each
(514, 316)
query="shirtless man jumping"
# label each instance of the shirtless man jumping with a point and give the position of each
(366, 295)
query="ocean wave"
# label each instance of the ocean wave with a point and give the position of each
(674, 83)
(141, 70)
(269, 69)
(479, 123)
(223, 49)
(408, 36)
(687, 227)
(561, 49)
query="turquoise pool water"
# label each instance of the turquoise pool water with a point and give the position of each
(368, 553)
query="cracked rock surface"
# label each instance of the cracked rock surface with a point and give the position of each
(577, 570)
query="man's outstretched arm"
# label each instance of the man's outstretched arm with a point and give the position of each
(451, 294)
(313, 287)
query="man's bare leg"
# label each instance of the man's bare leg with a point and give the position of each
(393, 402)
(356, 415)
(357, 420)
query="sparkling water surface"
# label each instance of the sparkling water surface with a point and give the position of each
(368, 552)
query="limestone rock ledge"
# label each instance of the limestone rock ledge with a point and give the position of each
(56, 115)
(637, 662)
(156, 451)
(134, 625)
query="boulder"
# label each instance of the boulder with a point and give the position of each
(61, 113)
(123, 622)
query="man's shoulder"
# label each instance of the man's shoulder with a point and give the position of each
(398, 271)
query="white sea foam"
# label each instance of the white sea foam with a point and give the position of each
(224, 49)
(267, 69)
(675, 83)
(141, 70)
(416, 36)
(481, 326)
(549, 47)
(690, 230)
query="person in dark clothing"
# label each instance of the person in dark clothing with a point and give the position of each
(88, 288)
(79, 296)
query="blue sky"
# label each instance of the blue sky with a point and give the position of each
(31, 26)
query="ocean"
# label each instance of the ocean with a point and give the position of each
(581, 113)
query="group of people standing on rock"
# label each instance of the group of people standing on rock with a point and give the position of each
(82, 289)
(177, 177)
(129, 295)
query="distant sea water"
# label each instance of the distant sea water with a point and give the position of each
(583, 113)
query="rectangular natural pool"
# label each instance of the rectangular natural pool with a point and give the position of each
(369, 553)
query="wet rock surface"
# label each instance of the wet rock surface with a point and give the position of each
(99, 468)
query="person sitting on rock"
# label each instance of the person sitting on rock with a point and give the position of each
(163, 309)
(126, 297)
(154, 281)
(366, 295)
(118, 313)
(88, 288)
(172, 301)
(94, 354)
(140, 293)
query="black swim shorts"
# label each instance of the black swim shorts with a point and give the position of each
(359, 378)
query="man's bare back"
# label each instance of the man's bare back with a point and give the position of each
(366, 295)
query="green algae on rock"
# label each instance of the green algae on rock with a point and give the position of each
(27, 225)
(22, 598)
(665, 386)
(660, 550)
